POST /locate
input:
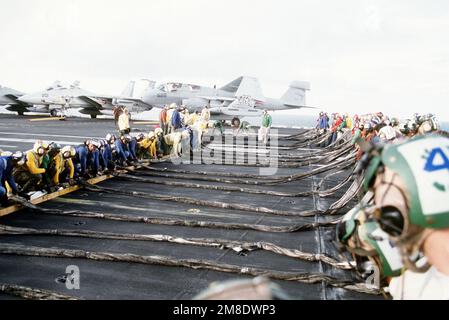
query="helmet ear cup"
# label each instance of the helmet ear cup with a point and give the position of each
(341, 232)
(345, 230)
(391, 221)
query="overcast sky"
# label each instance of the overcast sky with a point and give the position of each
(359, 55)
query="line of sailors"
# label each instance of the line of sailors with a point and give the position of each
(47, 167)
(377, 127)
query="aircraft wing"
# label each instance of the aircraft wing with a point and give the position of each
(15, 99)
(108, 102)
(94, 101)
(212, 98)
(299, 107)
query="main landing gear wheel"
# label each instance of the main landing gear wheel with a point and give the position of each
(54, 113)
(93, 116)
(235, 122)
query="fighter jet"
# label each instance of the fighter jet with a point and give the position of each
(240, 98)
(10, 98)
(57, 98)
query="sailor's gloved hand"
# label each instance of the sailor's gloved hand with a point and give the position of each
(53, 189)
(65, 185)
(87, 176)
(115, 173)
(24, 195)
(72, 182)
(80, 181)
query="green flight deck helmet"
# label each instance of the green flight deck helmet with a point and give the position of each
(416, 171)
(369, 244)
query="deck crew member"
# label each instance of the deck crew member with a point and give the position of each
(244, 127)
(148, 145)
(170, 111)
(50, 166)
(29, 175)
(87, 159)
(142, 146)
(121, 116)
(219, 124)
(121, 147)
(163, 119)
(132, 147)
(174, 141)
(64, 169)
(161, 146)
(264, 131)
(176, 120)
(205, 114)
(107, 154)
(8, 161)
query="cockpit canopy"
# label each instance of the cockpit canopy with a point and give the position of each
(173, 87)
(59, 86)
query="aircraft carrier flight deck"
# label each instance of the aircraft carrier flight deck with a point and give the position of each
(166, 231)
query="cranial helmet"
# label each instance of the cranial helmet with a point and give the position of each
(95, 143)
(368, 244)
(158, 131)
(53, 149)
(410, 181)
(39, 148)
(68, 152)
(54, 146)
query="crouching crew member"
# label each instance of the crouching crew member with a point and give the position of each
(107, 154)
(162, 148)
(64, 169)
(29, 175)
(8, 162)
(49, 163)
(121, 147)
(86, 160)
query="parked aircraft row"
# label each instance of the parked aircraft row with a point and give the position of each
(242, 97)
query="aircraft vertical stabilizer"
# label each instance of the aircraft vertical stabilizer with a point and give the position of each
(250, 86)
(129, 90)
(296, 94)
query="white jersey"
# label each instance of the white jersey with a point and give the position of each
(431, 285)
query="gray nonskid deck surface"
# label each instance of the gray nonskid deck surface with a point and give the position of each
(121, 280)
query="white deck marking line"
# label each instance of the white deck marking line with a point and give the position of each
(46, 135)
(34, 140)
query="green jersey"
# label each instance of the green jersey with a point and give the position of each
(267, 121)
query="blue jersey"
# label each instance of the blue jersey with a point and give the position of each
(6, 168)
